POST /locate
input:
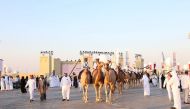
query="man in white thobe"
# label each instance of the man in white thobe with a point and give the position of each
(168, 87)
(10, 83)
(65, 85)
(174, 83)
(185, 82)
(31, 84)
(2, 83)
(160, 81)
(6, 82)
(96, 64)
(154, 80)
(146, 85)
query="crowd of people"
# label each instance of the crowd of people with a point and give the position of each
(7, 83)
(174, 82)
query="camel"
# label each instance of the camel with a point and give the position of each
(127, 79)
(139, 77)
(85, 78)
(120, 79)
(109, 82)
(133, 79)
(98, 81)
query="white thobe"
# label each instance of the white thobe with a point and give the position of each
(51, 81)
(95, 66)
(169, 90)
(57, 81)
(154, 80)
(54, 81)
(160, 81)
(2, 84)
(66, 85)
(185, 82)
(10, 84)
(174, 83)
(7, 83)
(146, 85)
(31, 84)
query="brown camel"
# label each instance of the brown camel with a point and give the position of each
(133, 79)
(127, 79)
(109, 82)
(120, 79)
(85, 81)
(98, 81)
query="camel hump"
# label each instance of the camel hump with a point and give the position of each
(112, 75)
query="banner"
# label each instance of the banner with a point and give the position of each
(174, 59)
(1, 65)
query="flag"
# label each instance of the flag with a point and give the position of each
(174, 59)
(163, 57)
(154, 65)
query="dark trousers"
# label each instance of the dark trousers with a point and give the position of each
(43, 96)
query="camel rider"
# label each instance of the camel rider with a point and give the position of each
(96, 63)
(110, 63)
(85, 65)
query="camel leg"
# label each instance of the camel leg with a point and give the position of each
(106, 92)
(99, 92)
(119, 87)
(96, 92)
(86, 94)
(111, 94)
(83, 93)
(132, 83)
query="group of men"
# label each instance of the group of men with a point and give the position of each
(42, 87)
(6, 83)
(172, 84)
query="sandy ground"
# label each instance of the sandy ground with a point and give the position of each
(131, 99)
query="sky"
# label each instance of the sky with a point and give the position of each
(148, 27)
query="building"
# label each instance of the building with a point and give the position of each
(71, 66)
(139, 61)
(92, 55)
(57, 66)
(121, 59)
(46, 63)
(1, 66)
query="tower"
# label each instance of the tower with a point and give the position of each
(139, 61)
(46, 63)
(1, 66)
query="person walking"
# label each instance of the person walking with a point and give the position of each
(10, 83)
(65, 85)
(22, 85)
(174, 83)
(146, 84)
(2, 83)
(168, 88)
(31, 86)
(185, 82)
(42, 87)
